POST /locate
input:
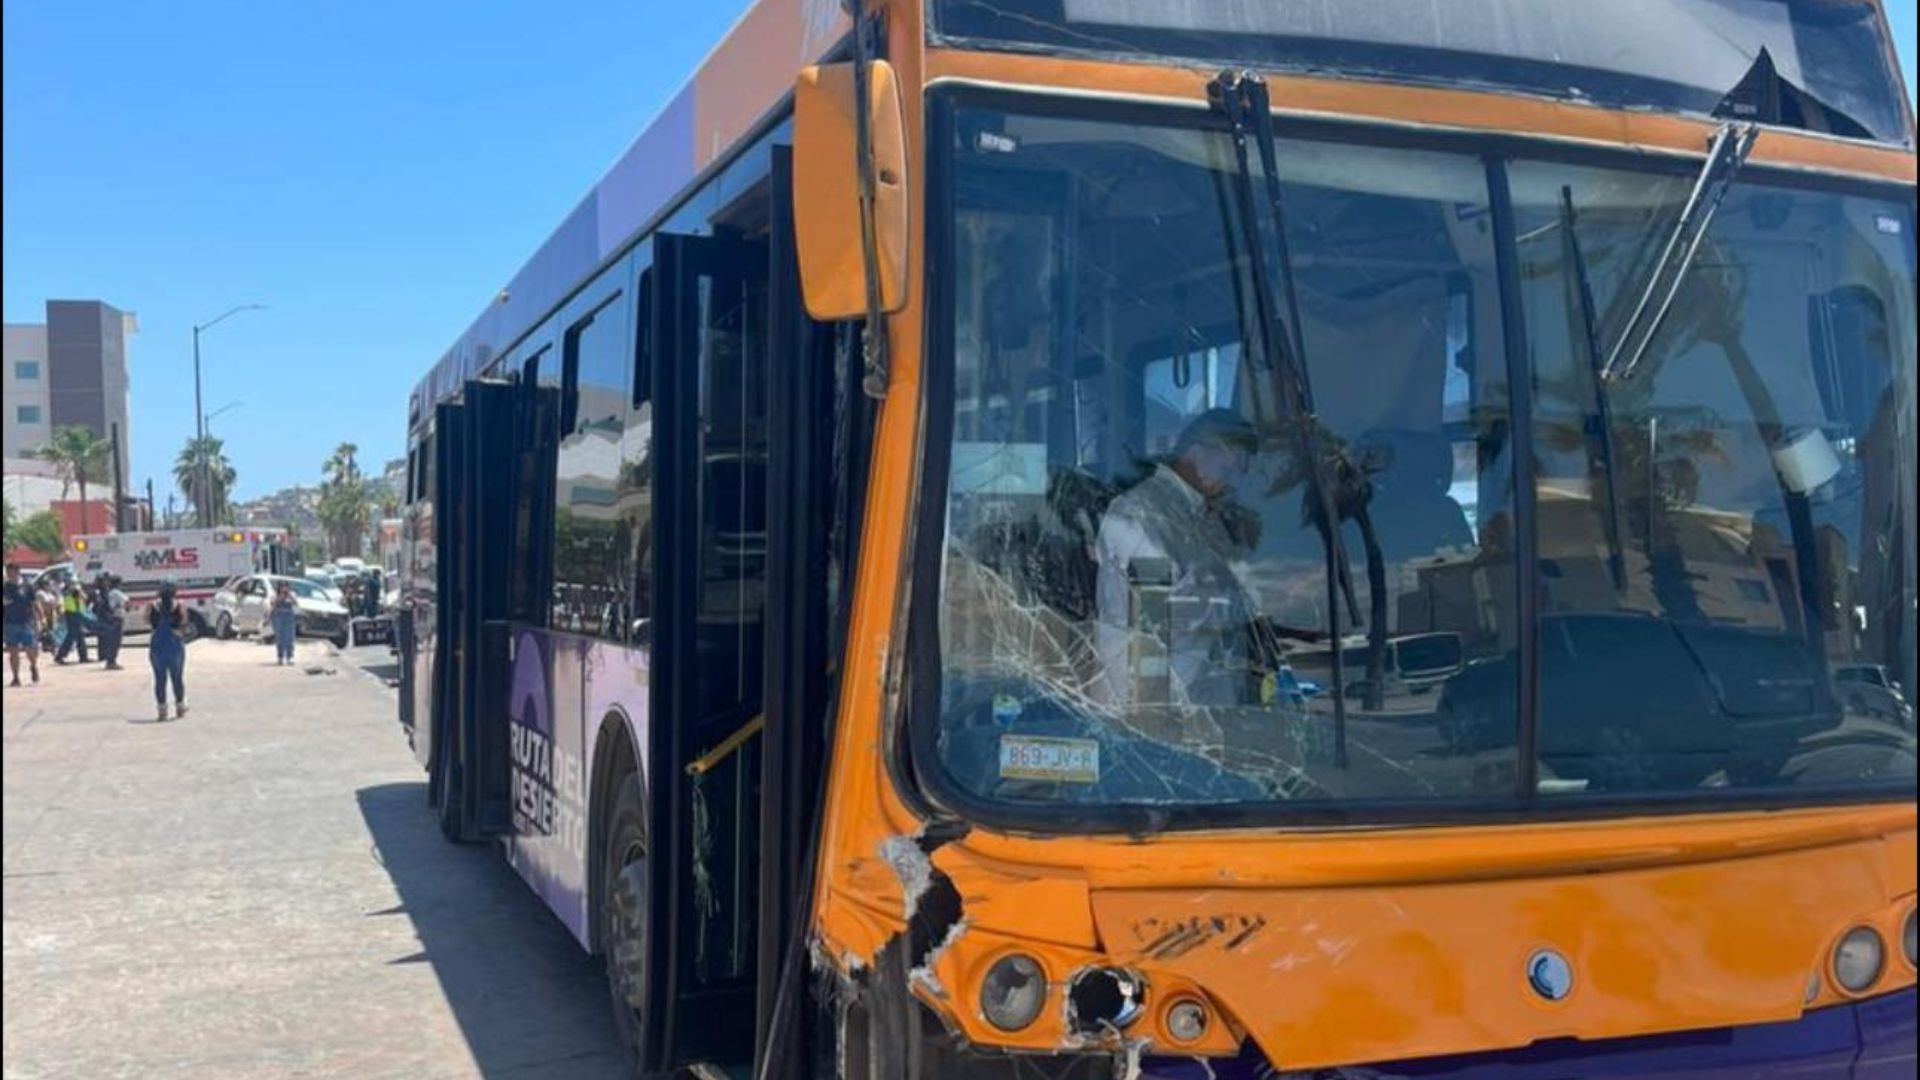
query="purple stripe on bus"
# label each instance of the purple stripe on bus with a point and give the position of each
(563, 687)
(1872, 1040)
(1888, 1029)
(652, 171)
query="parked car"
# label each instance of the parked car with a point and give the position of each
(1633, 702)
(59, 574)
(328, 583)
(1867, 690)
(245, 605)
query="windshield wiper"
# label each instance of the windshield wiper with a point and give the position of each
(1731, 145)
(1602, 437)
(1242, 99)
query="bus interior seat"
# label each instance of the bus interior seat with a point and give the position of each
(1412, 512)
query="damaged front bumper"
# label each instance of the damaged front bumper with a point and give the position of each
(1867, 1040)
(1204, 973)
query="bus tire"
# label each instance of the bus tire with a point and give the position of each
(626, 886)
(446, 787)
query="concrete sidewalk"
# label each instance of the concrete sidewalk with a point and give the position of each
(259, 890)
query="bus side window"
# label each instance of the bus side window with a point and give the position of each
(635, 487)
(593, 521)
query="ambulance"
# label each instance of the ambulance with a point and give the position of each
(197, 561)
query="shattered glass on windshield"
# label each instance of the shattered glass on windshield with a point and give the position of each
(1135, 603)
(1134, 598)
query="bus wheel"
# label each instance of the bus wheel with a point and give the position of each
(447, 783)
(623, 933)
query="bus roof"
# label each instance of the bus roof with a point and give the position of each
(739, 84)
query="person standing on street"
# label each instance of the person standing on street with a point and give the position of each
(286, 623)
(112, 613)
(167, 651)
(46, 597)
(22, 625)
(373, 593)
(73, 611)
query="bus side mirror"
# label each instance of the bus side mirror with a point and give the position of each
(826, 191)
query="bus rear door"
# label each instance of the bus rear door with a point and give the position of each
(468, 757)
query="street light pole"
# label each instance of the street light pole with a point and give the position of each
(200, 511)
(217, 414)
(203, 498)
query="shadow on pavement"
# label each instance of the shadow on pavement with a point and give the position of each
(529, 1000)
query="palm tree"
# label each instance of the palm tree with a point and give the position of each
(218, 471)
(79, 454)
(1348, 473)
(343, 508)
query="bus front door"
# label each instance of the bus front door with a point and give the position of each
(710, 325)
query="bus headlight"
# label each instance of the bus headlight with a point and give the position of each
(1013, 991)
(1907, 943)
(1857, 960)
(1186, 1021)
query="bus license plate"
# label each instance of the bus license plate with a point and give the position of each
(1036, 757)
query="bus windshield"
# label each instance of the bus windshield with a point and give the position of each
(1133, 603)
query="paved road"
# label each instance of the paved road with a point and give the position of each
(259, 891)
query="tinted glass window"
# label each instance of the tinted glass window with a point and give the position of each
(732, 452)
(530, 591)
(636, 487)
(1727, 519)
(593, 531)
(1679, 55)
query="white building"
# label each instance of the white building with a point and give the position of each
(69, 370)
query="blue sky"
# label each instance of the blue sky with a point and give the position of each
(372, 172)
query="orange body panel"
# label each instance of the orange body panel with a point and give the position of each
(1364, 944)
(1425, 107)
(1331, 976)
(760, 54)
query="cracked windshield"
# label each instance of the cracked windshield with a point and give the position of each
(1142, 599)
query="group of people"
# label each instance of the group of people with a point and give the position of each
(62, 618)
(361, 592)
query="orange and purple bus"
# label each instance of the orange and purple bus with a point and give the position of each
(1220, 538)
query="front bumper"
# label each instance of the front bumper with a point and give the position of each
(1865, 1040)
(310, 624)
